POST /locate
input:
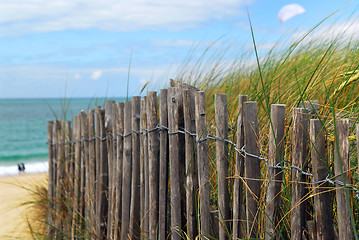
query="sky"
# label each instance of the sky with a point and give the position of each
(92, 48)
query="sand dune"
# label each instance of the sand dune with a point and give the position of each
(14, 215)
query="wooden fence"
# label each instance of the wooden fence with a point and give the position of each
(140, 169)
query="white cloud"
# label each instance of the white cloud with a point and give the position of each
(343, 31)
(28, 16)
(96, 74)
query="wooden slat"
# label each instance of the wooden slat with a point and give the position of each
(203, 168)
(135, 191)
(109, 109)
(50, 195)
(191, 162)
(84, 188)
(173, 99)
(163, 181)
(322, 200)
(127, 171)
(252, 168)
(274, 175)
(341, 167)
(144, 141)
(153, 167)
(103, 176)
(299, 158)
(239, 227)
(91, 170)
(119, 163)
(221, 116)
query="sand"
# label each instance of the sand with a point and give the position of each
(14, 216)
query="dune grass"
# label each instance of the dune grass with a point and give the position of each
(305, 70)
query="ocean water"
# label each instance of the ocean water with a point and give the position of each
(23, 129)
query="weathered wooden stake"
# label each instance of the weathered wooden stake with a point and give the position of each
(103, 176)
(274, 175)
(84, 189)
(173, 100)
(252, 168)
(109, 109)
(119, 163)
(221, 115)
(238, 197)
(323, 206)
(50, 148)
(135, 191)
(77, 177)
(299, 158)
(98, 187)
(203, 178)
(144, 140)
(341, 167)
(163, 181)
(91, 170)
(127, 171)
(191, 161)
(153, 157)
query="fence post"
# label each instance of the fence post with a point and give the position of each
(299, 158)
(144, 170)
(274, 175)
(60, 216)
(221, 115)
(119, 163)
(153, 157)
(115, 172)
(77, 177)
(109, 108)
(135, 230)
(203, 178)
(323, 207)
(50, 191)
(191, 161)
(84, 188)
(68, 179)
(173, 99)
(252, 167)
(163, 188)
(127, 171)
(91, 173)
(98, 169)
(341, 167)
(103, 175)
(238, 197)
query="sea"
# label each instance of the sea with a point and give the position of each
(23, 129)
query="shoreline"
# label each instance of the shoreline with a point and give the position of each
(14, 214)
(36, 167)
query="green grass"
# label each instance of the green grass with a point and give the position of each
(304, 70)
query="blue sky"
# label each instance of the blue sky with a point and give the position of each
(82, 48)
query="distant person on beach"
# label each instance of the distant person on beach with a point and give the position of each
(19, 167)
(22, 167)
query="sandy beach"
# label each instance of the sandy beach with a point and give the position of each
(14, 216)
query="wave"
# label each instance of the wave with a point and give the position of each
(11, 157)
(31, 168)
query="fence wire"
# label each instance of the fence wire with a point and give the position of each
(201, 139)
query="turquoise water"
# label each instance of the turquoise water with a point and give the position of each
(23, 126)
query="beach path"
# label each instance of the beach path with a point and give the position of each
(14, 216)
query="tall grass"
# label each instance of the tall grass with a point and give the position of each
(304, 70)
